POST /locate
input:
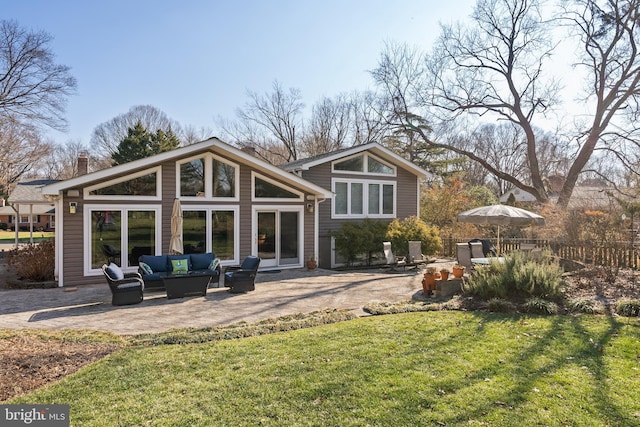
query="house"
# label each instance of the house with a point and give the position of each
(28, 209)
(228, 198)
(233, 204)
(367, 181)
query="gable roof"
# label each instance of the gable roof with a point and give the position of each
(30, 192)
(372, 147)
(211, 143)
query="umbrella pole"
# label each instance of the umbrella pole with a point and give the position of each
(499, 251)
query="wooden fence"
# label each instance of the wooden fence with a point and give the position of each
(614, 254)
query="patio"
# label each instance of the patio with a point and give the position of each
(279, 293)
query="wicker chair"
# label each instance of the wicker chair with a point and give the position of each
(242, 278)
(126, 288)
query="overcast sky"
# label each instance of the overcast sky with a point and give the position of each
(196, 59)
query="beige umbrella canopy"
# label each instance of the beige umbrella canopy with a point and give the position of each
(500, 215)
(175, 244)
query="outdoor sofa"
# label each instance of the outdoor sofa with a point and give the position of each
(156, 269)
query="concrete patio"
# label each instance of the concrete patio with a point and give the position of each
(277, 293)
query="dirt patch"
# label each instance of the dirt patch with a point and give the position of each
(27, 363)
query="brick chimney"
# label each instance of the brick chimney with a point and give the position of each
(83, 164)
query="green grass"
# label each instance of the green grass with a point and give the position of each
(425, 368)
(23, 236)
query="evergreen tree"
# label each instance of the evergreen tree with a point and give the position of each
(140, 143)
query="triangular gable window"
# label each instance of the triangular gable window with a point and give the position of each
(143, 184)
(363, 164)
(264, 188)
(354, 164)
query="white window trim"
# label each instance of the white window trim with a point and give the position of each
(88, 224)
(365, 198)
(208, 178)
(157, 170)
(365, 166)
(236, 228)
(255, 175)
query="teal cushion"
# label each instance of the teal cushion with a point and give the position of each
(115, 272)
(146, 268)
(214, 264)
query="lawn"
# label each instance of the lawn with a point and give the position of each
(427, 368)
(23, 236)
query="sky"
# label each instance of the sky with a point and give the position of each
(195, 60)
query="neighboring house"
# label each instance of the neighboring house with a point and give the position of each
(233, 204)
(367, 181)
(28, 209)
(583, 197)
(521, 196)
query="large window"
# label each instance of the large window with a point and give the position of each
(209, 177)
(210, 230)
(120, 234)
(363, 198)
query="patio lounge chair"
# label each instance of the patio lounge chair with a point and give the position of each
(242, 278)
(391, 260)
(126, 288)
(463, 253)
(415, 252)
(476, 250)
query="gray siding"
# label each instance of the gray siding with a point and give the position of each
(406, 202)
(73, 227)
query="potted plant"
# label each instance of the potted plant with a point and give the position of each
(444, 274)
(458, 271)
(312, 264)
(429, 281)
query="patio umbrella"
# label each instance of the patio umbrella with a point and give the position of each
(500, 215)
(175, 244)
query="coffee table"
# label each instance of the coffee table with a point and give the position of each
(188, 284)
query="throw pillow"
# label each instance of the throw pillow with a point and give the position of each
(214, 264)
(180, 266)
(115, 272)
(145, 267)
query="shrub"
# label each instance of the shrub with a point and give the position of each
(499, 305)
(4, 226)
(586, 305)
(400, 233)
(540, 306)
(519, 276)
(628, 307)
(355, 239)
(34, 262)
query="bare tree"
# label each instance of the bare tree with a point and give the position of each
(270, 121)
(108, 135)
(21, 150)
(62, 162)
(609, 32)
(329, 126)
(192, 135)
(33, 88)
